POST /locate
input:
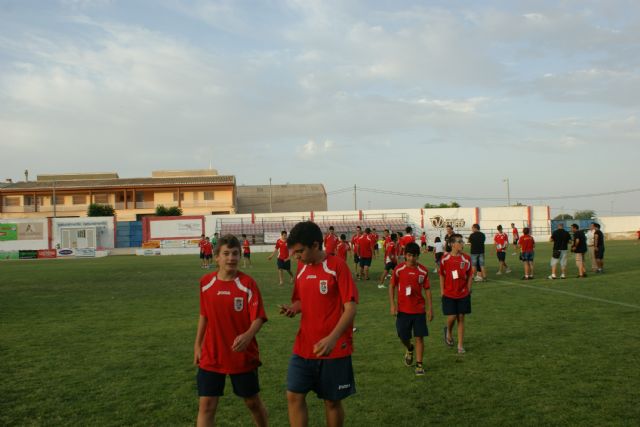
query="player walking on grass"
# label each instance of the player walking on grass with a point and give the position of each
(438, 252)
(579, 247)
(455, 288)
(365, 253)
(207, 250)
(410, 278)
(325, 295)
(423, 242)
(374, 236)
(560, 238)
(527, 245)
(246, 251)
(284, 261)
(501, 240)
(343, 248)
(201, 243)
(354, 247)
(405, 240)
(598, 243)
(390, 259)
(477, 239)
(231, 314)
(330, 241)
(515, 236)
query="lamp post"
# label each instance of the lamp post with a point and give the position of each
(270, 198)
(508, 191)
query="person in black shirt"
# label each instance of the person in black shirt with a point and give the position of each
(477, 238)
(447, 238)
(560, 238)
(598, 243)
(579, 247)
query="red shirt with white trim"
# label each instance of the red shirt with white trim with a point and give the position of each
(405, 240)
(390, 253)
(410, 282)
(501, 241)
(342, 249)
(456, 270)
(246, 247)
(365, 246)
(330, 243)
(230, 307)
(322, 290)
(526, 243)
(283, 250)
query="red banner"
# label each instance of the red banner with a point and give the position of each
(46, 253)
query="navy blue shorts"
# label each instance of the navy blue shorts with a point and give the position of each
(453, 306)
(526, 256)
(365, 262)
(201, 255)
(247, 255)
(212, 383)
(356, 259)
(284, 265)
(390, 266)
(599, 253)
(208, 256)
(406, 324)
(501, 256)
(330, 379)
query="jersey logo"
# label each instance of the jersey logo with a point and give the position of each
(421, 279)
(238, 304)
(324, 287)
(463, 265)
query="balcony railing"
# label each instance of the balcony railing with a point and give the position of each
(204, 204)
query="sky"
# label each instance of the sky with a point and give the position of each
(412, 102)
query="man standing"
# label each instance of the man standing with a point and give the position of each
(331, 241)
(560, 238)
(579, 247)
(326, 296)
(516, 237)
(598, 243)
(365, 253)
(447, 238)
(591, 249)
(284, 261)
(477, 239)
(354, 246)
(501, 240)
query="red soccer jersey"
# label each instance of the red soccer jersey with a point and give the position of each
(354, 242)
(375, 238)
(501, 240)
(456, 271)
(390, 253)
(283, 250)
(423, 239)
(342, 249)
(201, 244)
(526, 243)
(230, 307)
(330, 243)
(207, 248)
(410, 282)
(514, 231)
(246, 247)
(365, 246)
(322, 290)
(405, 240)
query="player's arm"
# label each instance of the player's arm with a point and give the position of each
(429, 305)
(441, 277)
(326, 345)
(392, 296)
(275, 251)
(197, 346)
(242, 341)
(290, 310)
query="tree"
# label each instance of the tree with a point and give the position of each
(95, 209)
(161, 210)
(442, 205)
(562, 216)
(585, 214)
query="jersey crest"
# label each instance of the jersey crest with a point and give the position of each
(324, 287)
(238, 304)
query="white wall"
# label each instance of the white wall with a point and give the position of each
(105, 229)
(16, 245)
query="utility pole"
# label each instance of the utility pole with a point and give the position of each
(508, 191)
(270, 198)
(53, 199)
(355, 197)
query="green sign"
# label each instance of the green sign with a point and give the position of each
(8, 254)
(28, 254)
(8, 231)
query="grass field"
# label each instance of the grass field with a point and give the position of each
(109, 342)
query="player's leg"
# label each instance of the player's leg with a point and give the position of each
(334, 413)
(210, 388)
(451, 320)
(257, 410)
(366, 272)
(460, 319)
(419, 349)
(383, 276)
(207, 410)
(403, 328)
(297, 408)
(280, 277)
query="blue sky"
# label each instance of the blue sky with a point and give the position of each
(432, 98)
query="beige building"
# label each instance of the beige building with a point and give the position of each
(197, 192)
(281, 198)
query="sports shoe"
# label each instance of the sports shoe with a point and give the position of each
(477, 279)
(498, 273)
(552, 277)
(508, 270)
(381, 286)
(435, 270)
(461, 350)
(563, 277)
(408, 357)
(419, 370)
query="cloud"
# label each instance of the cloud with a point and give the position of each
(311, 149)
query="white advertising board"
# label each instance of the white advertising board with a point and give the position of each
(175, 228)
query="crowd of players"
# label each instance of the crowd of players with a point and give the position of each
(325, 295)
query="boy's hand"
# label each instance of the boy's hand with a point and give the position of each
(269, 257)
(324, 347)
(288, 310)
(393, 310)
(197, 352)
(430, 315)
(241, 342)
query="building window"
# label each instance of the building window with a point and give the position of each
(79, 199)
(208, 195)
(29, 200)
(175, 196)
(57, 200)
(101, 198)
(12, 201)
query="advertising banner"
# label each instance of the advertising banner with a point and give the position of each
(27, 254)
(150, 252)
(271, 236)
(66, 252)
(172, 243)
(46, 253)
(176, 228)
(193, 243)
(30, 231)
(8, 231)
(85, 252)
(9, 255)
(151, 244)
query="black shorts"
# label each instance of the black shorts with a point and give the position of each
(423, 244)
(247, 255)
(453, 306)
(375, 247)
(407, 323)
(284, 265)
(439, 257)
(356, 259)
(390, 266)
(201, 255)
(599, 253)
(501, 256)
(331, 379)
(212, 383)
(208, 257)
(365, 262)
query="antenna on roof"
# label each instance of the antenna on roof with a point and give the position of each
(26, 175)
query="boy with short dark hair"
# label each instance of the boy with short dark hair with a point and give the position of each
(343, 247)
(331, 241)
(410, 278)
(207, 250)
(246, 251)
(390, 259)
(365, 253)
(284, 261)
(527, 245)
(455, 288)
(579, 247)
(201, 246)
(501, 240)
(325, 295)
(231, 314)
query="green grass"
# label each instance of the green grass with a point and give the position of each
(109, 342)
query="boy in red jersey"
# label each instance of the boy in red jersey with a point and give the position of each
(343, 247)
(405, 240)
(284, 261)
(390, 259)
(331, 241)
(326, 296)
(207, 250)
(501, 240)
(411, 278)
(365, 253)
(374, 236)
(516, 237)
(527, 244)
(231, 314)
(354, 247)
(455, 288)
(201, 243)
(246, 251)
